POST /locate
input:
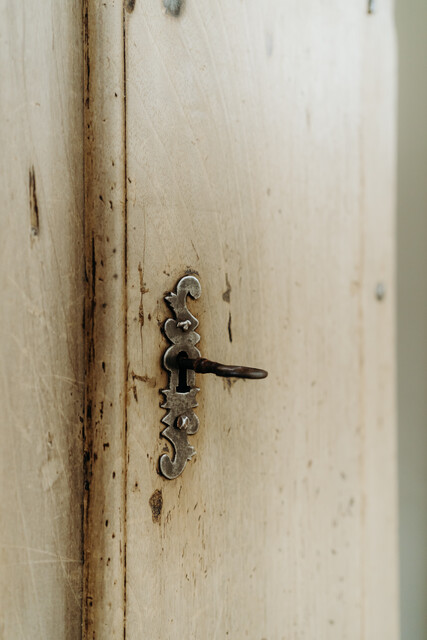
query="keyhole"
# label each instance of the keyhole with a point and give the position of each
(182, 375)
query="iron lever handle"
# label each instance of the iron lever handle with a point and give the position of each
(203, 365)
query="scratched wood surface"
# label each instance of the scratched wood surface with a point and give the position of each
(41, 312)
(253, 144)
(104, 455)
(260, 153)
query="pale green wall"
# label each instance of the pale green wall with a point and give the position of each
(411, 21)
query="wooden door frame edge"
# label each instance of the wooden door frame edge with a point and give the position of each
(104, 434)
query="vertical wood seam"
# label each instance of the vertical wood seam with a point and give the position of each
(104, 431)
(126, 372)
(87, 327)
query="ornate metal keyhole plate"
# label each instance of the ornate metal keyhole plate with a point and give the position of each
(180, 419)
(183, 360)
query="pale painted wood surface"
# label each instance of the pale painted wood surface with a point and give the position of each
(105, 194)
(253, 143)
(41, 313)
(260, 152)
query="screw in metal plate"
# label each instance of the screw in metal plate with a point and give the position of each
(184, 325)
(182, 423)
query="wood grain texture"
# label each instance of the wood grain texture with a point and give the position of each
(260, 153)
(41, 312)
(105, 195)
(252, 143)
(378, 456)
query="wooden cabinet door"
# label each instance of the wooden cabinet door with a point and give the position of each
(250, 143)
(253, 144)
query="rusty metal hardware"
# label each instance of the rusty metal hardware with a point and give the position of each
(183, 360)
(203, 365)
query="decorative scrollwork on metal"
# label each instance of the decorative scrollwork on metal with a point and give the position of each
(180, 397)
(183, 360)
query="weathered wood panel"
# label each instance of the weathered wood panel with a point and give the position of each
(41, 314)
(105, 196)
(256, 146)
(260, 153)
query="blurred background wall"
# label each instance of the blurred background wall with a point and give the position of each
(411, 21)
